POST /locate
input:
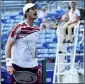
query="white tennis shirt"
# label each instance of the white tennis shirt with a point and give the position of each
(72, 16)
(23, 50)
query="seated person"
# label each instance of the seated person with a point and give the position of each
(45, 24)
(42, 13)
(54, 25)
(74, 15)
(48, 24)
(50, 60)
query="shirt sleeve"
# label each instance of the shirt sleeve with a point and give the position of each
(78, 12)
(15, 31)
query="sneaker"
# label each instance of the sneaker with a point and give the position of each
(60, 52)
(64, 41)
(69, 41)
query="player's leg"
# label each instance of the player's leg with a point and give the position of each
(38, 76)
(37, 72)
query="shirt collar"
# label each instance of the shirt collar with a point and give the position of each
(28, 25)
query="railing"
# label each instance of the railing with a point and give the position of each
(12, 5)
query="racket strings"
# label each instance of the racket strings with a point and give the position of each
(25, 77)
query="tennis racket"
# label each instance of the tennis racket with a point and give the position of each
(25, 77)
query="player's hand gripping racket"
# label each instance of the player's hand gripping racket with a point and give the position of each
(25, 77)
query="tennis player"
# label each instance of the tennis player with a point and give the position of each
(20, 49)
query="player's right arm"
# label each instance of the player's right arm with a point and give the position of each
(8, 49)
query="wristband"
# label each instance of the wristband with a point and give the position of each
(8, 62)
